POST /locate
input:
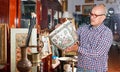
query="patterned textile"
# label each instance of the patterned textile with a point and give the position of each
(94, 47)
(84, 70)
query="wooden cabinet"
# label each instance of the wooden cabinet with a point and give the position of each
(8, 15)
(46, 18)
(11, 14)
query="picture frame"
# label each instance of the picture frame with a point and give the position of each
(18, 38)
(3, 44)
(99, 0)
(89, 1)
(87, 8)
(44, 37)
(110, 1)
(77, 8)
(64, 36)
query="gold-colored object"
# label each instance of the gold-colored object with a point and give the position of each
(69, 60)
(40, 45)
(72, 66)
(3, 44)
(35, 58)
(64, 5)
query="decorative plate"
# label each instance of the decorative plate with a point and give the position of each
(64, 36)
(65, 58)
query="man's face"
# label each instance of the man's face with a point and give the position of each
(96, 16)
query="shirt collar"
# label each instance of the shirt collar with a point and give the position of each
(97, 28)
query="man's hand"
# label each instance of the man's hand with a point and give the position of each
(73, 48)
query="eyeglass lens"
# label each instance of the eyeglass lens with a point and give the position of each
(95, 15)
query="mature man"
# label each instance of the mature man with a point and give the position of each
(95, 41)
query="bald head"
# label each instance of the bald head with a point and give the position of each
(100, 9)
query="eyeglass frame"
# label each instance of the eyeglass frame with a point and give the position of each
(95, 15)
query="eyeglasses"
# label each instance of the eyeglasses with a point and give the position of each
(95, 15)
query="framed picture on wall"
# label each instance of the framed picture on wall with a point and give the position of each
(99, 0)
(89, 1)
(110, 1)
(18, 39)
(3, 44)
(77, 8)
(86, 9)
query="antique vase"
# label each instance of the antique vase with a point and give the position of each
(24, 65)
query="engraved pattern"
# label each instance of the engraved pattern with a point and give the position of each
(64, 36)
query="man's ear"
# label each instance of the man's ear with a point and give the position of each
(104, 17)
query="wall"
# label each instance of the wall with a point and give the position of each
(72, 3)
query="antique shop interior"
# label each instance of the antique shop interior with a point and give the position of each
(28, 29)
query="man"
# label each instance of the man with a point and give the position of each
(95, 41)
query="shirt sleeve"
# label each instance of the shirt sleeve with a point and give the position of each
(100, 49)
